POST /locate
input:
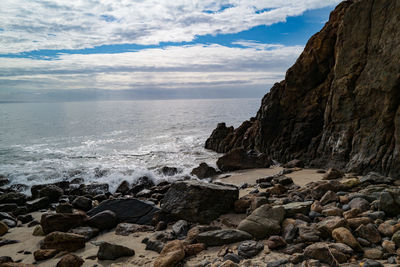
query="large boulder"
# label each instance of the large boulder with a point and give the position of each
(220, 133)
(127, 210)
(239, 158)
(61, 221)
(339, 103)
(204, 171)
(103, 220)
(197, 201)
(263, 221)
(330, 253)
(63, 241)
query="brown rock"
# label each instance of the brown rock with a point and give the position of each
(369, 232)
(172, 253)
(332, 174)
(3, 228)
(354, 223)
(332, 212)
(63, 241)
(44, 254)
(126, 229)
(275, 242)
(389, 246)
(373, 253)
(228, 263)
(70, 260)
(343, 235)
(351, 213)
(316, 206)
(329, 252)
(328, 197)
(193, 249)
(61, 222)
(331, 223)
(388, 228)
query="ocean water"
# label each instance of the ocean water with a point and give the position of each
(111, 141)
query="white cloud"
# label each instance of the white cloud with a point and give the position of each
(64, 24)
(181, 67)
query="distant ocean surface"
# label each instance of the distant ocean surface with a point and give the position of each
(111, 141)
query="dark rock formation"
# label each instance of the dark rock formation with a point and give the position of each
(239, 159)
(339, 103)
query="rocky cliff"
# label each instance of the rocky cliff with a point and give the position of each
(339, 103)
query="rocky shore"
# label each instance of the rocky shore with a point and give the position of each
(333, 219)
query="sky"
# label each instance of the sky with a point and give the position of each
(52, 50)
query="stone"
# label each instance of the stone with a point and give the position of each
(108, 251)
(222, 237)
(38, 231)
(332, 174)
(332, 212)
(294, 163)
(8, 207)
(86, 231)
(351, 182)
(44, 254)
(157, 240)
(376, 178)
(61, 221)
(196, 230)
(82, 203)
(369, 232)
(172, 253)
(316, 206)
(373, 253)
(126, 229)
(52, 192)
(204, 171)
(103, 220)
(328, 252)
(180, 229)
(242, 204)
(388, 228)
(263, 222)
(351, 213)
(293, 208)
(329, 224)
(70, 260)
(13, 197)
(3, 228)
(359, 203)
(96, 189)
(371, 263)
(389, 201)
(396, 238)
(354, 223)
(328, 197)
(239, 159)
(282, 180)
(64, 208)
(228, 263)
(63, 241)
(308, 233)
(343, 235)
(38, 204)
(4, 181)
(143, 182)
(127, 210)
(233, 257)
(25, 218)
(197, 201)
(249, 249)
(389, 246)
(123, 188)
(193, 249)
(314, 114)
(276, 242)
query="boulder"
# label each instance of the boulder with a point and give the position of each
(214, 142)
(238, 159)
(180, 229)
(389, 201)
(204, 171)
(332, 174)
(70, 260)
(25, 218)
(62, 222)
(291, 209)
(38, 204)
(263, 221)
(63, 241)
(343, 235)
(249, 249)
(169, 171)
(172, 253)
(127, 210)
(103, 220)
(197, 201)
(157, 240)
(329, 253)
(86, 231)
(376, 178)
(222, 237)
(96, 189)
(108, 251)
(143, 182)
(369, 232)
(82, 203)
(52, 192)
(329, 224)
(64, 208)
(123, 188)
(13, 197)
(44, 254)
(359, 203)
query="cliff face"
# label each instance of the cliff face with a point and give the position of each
(339, 103)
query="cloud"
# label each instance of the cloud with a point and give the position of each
(28, 25)
(171, 68)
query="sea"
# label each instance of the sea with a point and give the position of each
(111, 141)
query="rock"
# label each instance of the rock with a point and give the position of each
(82, 203)
(316, 206)
(8, 207)
(196, 230)
(331, 223)
(354, 223)
(351, 213)
(87, 232)
(193, 249)
(214, 142)
(64, 208)
(70, 260)
(233, 257)
(126, 229)
(127, 210)
(373, 253)
(328, 197)
(332, 212)
(44, 254)
(123, 188)
(63, 241)
(239, 159)
(96, 189)
(196, 201)
(275, 242)
(294, 163)
(351, 182)
(38, 204)
(108, 251)
(389, 201)
(3, 181)
(371, 263)
(241, 205)
(25, 218)
(396, 238)
(282, 180)
(293, 208)
(61, 221)
(222, 237)
(157, 240)
(169, 171)
(343, 235)
(143, 182)
(328, 252)
(389, 246)
(332, 174)
(359, 203)
(4, 242)
(172, 253)
(52, 192)
(308, 233)
(12, 197)
(369, 232)
(38, 231)
(180, 229)
(204, 171)
(249, 249)
(228, 263)
(263, 222)
(103, 220)
(388, 228)
(3, 228)
(376, 178)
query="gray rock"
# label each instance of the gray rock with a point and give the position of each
(263, 221)
(389, 201)
(86, 231)
(157, 240)
(38, 204)
(180, 229)
(123, 188)
(197, 201)
(222, 237)
(128, 210)
(232, 257)
(293, 208)
(249, 249)
(61, 221)
(126, 229)
(52, 192)
(376, 178)
(359, 203)
(82, 203)
(204, 171)
(328, 252)
(108, 251)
